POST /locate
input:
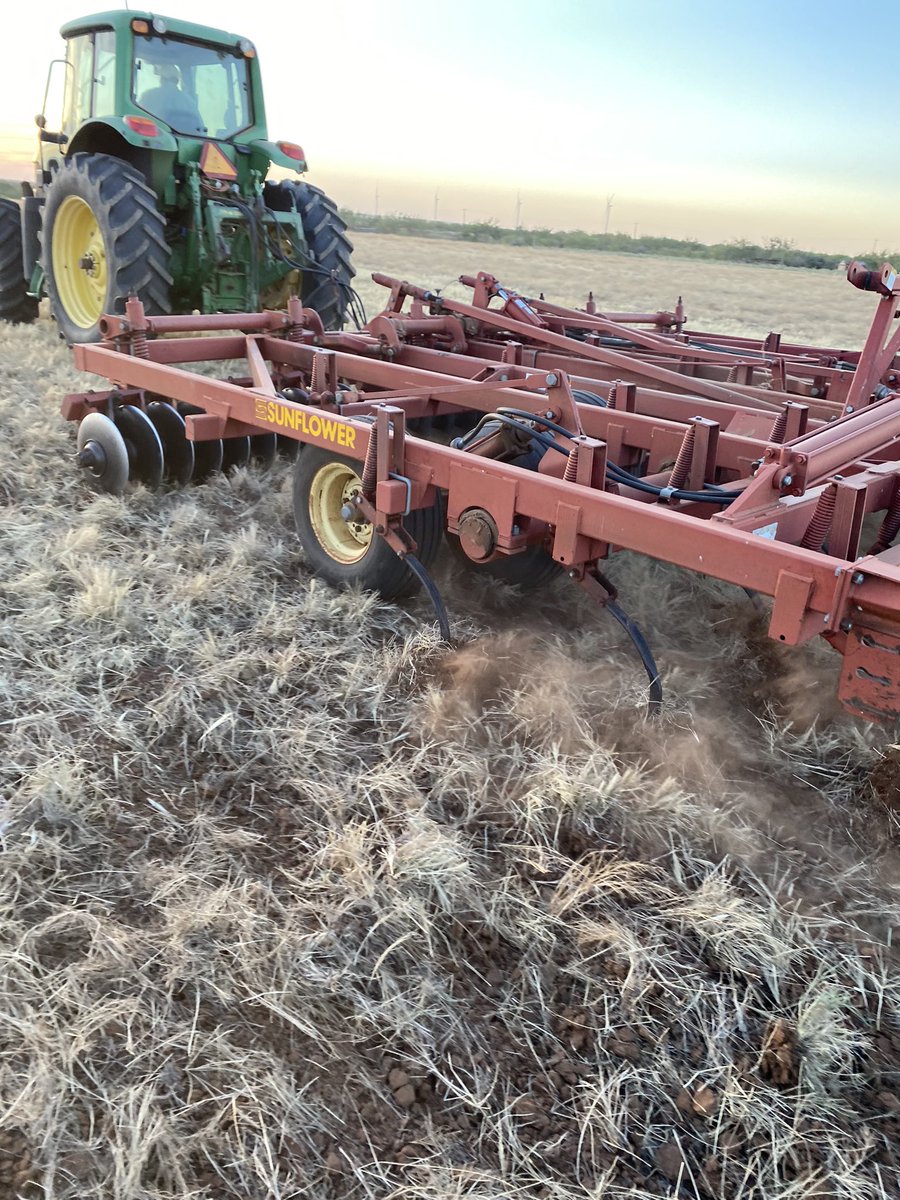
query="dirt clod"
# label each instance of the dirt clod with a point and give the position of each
(629, 1050)
(704, 1101)
(669, 1159)
(405, 1096)
(884, 777)
(779, 1060)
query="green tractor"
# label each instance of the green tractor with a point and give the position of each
(153, 184)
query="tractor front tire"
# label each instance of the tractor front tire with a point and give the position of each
(345, 552)
(326, 284)
(15, 303)
(103, 240)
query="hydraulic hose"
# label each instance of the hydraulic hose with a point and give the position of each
(712, 494)
(654, 702)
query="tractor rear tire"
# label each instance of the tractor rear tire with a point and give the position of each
(327, 288)
(346, 553)
(15, 304)
(103, 240)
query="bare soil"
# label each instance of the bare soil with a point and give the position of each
(299, 902)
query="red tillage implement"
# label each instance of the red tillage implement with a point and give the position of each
(577, 433)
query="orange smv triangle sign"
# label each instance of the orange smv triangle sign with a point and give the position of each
(214, 163)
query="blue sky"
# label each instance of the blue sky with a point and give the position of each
(699, 119)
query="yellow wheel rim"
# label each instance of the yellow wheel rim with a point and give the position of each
(332, 487)
(79, 262)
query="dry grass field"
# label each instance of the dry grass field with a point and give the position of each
(299, 902)
(818, 307)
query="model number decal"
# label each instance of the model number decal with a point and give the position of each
(312, 424)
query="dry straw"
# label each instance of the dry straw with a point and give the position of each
(298, 902)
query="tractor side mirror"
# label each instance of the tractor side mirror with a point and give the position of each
(56, 139)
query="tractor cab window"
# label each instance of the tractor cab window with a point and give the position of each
(197, 89)
(79, 81)
(90, 81)
(104, 74)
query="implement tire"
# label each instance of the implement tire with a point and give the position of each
(15, 304)
(325, 288)
(530, 569)
(346, 553)
(103, 240)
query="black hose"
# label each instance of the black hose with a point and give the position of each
(591, 398)
(538, 419)
(355, 304)
(620, 475)
(516, 418)
(654, 701)
(535, 435)
(714, 494)
(433, 594)
(354, 300)
(239, 202)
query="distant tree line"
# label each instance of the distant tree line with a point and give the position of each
(774, 252)
(778, 252)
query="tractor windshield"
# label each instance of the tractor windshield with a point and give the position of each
(197, 89)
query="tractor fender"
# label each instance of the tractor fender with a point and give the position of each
(277, 156)
(154, 157)
(94, 136)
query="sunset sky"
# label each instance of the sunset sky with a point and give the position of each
(700, 119)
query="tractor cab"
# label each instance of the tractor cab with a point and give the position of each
(144, 87)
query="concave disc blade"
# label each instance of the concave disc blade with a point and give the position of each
(207, 459)
(207, 455)
(177, 450)
(145, 450)
(264, 448)
(106, 453)
(235, 452)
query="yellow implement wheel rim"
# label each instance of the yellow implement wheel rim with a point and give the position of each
(79, 262)
(332, 487)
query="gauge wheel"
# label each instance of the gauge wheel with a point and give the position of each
(349, 551)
